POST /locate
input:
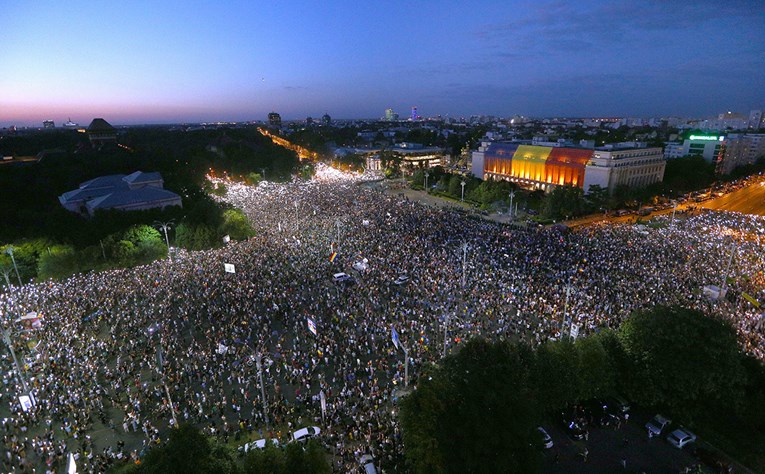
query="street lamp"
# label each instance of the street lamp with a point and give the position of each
(161, 371)
(296, 216)
(7, 340)
(462, 183)
(512, 195)
(165, 226)
(6, 271)
(426, 181)
(9, 251)
(464, 264)
(674, 209)
(258, 362)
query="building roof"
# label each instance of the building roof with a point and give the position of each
(141, 177)
(99, 125)
(112, 180)
(131, 197)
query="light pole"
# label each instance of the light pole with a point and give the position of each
(724, 286)
(512, 195)
(674, 209)
(7, 340)
(165, 226)
(462, 183)
(161, 371)
(5, 271)
(9, 251)
(464, 264)
(338, 224)
(296, 216)
(426, 181)
(258, 362)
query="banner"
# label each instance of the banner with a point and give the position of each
(229, 268)
(750, 299)
(226, 239)
(222, 349)
(312, 326)
(323, 403)
(575, 330)
(332, 257)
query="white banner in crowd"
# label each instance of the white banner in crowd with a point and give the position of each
(575, 330)
(226, 239)
(229, 267)
(312, 326)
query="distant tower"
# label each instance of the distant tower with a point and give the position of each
(326, 119)
(389, 115)
(309, 121)
(48, 124)
(275, 119)
(414, 113)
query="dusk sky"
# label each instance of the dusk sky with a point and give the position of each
(187, 61)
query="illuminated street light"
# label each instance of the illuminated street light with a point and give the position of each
(9, 251)
(426, 181)
(462, 183)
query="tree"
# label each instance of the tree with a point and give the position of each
(484, 390)
(682, 359)
(236, 225)
(188, 450)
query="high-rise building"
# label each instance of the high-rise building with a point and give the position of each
(326, 120)
(738, 150)
(309, 121)
(755, 119)
(275, 119)
(48, 124)
(414, 113)
(390, 115)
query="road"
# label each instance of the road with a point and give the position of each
(748, 200)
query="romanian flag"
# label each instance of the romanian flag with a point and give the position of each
(332, 257)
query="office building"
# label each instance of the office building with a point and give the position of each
(48, 124)
(739, 150)
(755, 119)
(274, 119)
(326, 120)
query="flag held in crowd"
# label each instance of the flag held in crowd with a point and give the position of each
(394, 337)
(312, 326)
(332, 257)
(229, 267)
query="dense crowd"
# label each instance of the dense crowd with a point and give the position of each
(120, 350)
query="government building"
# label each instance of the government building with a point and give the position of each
(544, 167)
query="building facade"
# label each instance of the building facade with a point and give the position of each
(740, 150)
(100, 133)
(540, 167)
(274, 119)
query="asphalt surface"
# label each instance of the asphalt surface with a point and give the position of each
(748, 200)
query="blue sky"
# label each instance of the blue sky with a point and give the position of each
(173, 61)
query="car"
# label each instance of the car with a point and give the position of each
(368, 464)
(714, 460)
(259, 444)
(547, 441)
(617, 405)
(680, 437)
(576, 430)
(402, 279)
(304, 434)
(343, 277)
(657, 424)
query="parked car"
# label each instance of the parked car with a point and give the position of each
(402, 279)
(368, 464)
(304, 434)
(657, 424)
(547, 441)
(680, 437)
(259, 444)
(343, 277)
(575, 430)
(714, 460)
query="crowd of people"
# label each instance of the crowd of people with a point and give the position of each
(124, 355)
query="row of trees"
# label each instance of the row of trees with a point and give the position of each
(137, 245)
(480, 406)
(187, 450)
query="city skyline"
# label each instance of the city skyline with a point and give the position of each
(169, 63)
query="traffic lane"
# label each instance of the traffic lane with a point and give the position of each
(748, 200)
(608, 447)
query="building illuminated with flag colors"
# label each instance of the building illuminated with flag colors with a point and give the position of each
(544, 167)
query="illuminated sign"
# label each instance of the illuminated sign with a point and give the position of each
(707, 137)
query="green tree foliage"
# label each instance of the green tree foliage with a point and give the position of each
(485, 391)
(236, 225)
(688, 174)
(564, 202)
(287, 460)
(186, 451)
(682, 359)
(196, 237)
